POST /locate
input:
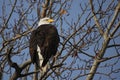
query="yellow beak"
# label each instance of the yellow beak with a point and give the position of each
(50, 20)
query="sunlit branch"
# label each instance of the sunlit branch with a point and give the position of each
(95, 18)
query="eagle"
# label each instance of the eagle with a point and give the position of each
(43, 43)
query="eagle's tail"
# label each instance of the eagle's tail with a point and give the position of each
(43, 70)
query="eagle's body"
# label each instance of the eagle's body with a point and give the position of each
(43, 44)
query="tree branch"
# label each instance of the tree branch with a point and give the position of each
(45, 7)
(115, 29)
(101, 51)
(11, 12)
(95, 18)
(114, 18)
(18, 69)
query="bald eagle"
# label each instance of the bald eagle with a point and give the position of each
(43, 43)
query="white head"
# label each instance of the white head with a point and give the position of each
(45, 20)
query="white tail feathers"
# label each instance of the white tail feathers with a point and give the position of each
(39, 56)
(42, 69)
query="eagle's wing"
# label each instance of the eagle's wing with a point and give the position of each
(35, 38)
(50, 45)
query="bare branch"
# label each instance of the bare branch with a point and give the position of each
(115, 29)
(11, 12)
(95, 18)
(45, 8)
(100, 56)
(113, 19)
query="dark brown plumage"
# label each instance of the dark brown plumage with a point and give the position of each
(47, 38)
